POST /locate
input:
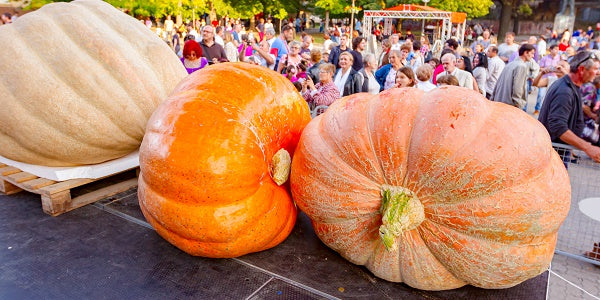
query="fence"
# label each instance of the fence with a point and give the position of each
(579, 235)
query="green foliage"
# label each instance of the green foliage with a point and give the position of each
(333, 6)
(525, 10)
(35, 4)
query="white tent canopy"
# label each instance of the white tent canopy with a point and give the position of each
(417, 12)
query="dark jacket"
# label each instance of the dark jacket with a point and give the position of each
(365, 86)
(313, 72)
(357, 62)
(353, 84)
(562, 109)
(334, 55)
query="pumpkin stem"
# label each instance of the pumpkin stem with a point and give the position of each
(401, 211)
(280, 166)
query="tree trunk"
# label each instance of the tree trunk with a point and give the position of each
(505, 19)
(326, 26)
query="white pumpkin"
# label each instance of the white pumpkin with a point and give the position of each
(78, 82)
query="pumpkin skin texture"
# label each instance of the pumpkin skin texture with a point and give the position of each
(479, 191)
(79, 83)
(206, 161)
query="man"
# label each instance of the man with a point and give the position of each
(506, 49)
(450, 46)
(549, 63)
(465, 79)
(211, 50)
(358, 27)
(169, 25)
(562, 111)
(511, 87)
(237, 36)
(495, 67)
(358, 46)
(279, 46)
(395, 41)
(334, 55)
(219, 36)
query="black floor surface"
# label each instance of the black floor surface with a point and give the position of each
(108, 251)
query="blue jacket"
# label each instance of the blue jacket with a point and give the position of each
(381, 74)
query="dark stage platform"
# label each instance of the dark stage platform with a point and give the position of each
(107, 251)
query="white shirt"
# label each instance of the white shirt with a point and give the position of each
(340, 80)
(373, 84)
(495, 67)
(326, 45)
(425, 86)
(480, 74)
(219, 40)
(390, 80)
(465, 79)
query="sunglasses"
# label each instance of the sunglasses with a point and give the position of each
(592, 55)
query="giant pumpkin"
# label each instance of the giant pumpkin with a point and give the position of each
(78, 82)
(215, 158)
(437, 190)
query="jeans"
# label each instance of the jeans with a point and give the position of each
(540, 97)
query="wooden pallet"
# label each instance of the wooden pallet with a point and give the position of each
(56, 196)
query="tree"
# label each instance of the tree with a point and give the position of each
(511, 9)
(333, 6)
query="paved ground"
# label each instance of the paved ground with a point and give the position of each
(577, 235)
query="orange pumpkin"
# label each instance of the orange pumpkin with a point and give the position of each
(437, 190)
(214, 157)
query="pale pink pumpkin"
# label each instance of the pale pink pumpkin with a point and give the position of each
(436, 190)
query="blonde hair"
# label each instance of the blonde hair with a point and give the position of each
(327, 67)
(424, 72)
(228, 37)
(347, 54)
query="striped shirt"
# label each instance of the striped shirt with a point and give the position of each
(325, 94)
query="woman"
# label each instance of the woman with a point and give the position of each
(347, 80)
(370, 84)
(385, 52)
(425, 48)
(464, 63)
(192, 58)
(323, 93)
(405, 77)
(480, 72)
(291, 59)
(386, 75)
(230, 49)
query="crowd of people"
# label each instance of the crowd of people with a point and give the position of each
(507, 72)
